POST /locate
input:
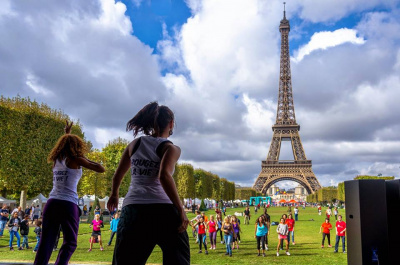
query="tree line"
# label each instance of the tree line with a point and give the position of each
(332, 194)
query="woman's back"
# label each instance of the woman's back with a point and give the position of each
(145, 187)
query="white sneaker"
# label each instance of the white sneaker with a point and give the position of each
(287, 253)
(277, 254)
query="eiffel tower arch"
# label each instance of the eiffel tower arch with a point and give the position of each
(286, 129)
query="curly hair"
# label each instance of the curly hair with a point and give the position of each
(67, 146)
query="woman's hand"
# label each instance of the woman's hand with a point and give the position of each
(68, 126)
(113, 202)
(185, 221)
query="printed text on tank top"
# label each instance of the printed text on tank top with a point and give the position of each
(145, 187)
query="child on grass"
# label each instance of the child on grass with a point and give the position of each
(24, 229)
(96, 224)
(113, 227)
(38, 232)
(283, 232)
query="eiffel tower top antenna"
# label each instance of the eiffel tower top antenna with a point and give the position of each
(284, 10)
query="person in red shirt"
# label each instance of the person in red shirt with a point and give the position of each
(340, 233)
(201, 233)
(325, 229)
(290, 223)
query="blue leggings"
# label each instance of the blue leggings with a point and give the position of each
(12, 234)
(228, 241)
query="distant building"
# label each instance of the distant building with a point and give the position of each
(299, 193)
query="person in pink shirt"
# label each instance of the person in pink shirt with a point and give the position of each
(96, 224)
(212, 232)
(340, 233)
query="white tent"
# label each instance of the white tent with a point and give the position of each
(12, 203)
(38, 200)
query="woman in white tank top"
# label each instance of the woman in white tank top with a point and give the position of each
(68, 158)
(152, 193)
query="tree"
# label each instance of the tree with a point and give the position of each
(341, 194)
(28, 132)
(112, 154)
(216, 191)
(93, 182)
(185, 181)
(373, 177)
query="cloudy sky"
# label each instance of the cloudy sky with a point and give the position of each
(216, 64)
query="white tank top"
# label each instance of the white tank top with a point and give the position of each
(65, 182)
(145, 187)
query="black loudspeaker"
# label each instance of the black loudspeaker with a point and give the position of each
(393, 213)
(366, 222)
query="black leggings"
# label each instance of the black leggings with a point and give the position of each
(238, 236)
(202, 240)
(266, 239)
(260, 239)
(220, 233)
(328, 236)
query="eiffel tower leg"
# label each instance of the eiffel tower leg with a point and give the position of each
(275, 148)
(297, 147)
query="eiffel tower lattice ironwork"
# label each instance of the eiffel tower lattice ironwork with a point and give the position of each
(286, 128)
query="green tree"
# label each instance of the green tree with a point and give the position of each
(373, 177)
(185, 181)
(28, 132)
(112, 153)
(91, 181)
(341, 194)
(216, 185)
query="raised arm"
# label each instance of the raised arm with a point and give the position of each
(84, 162)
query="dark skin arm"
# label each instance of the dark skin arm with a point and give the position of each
(78, 162)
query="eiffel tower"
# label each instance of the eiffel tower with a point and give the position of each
(286, 129)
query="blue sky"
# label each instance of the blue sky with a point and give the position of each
(217, 67)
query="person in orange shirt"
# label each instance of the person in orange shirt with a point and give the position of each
(325, 229)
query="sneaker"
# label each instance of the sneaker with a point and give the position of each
(200, 251)
(101, 248)
(214, 247)
(108, 245)
(206, 252)
(294, 243)
(277, 254)
(263, 254)
(28, 247)
(34, 251)
(89, 250)
(258, 254)
(211, 247)
(344, 252)
(287, 253)
(19, 248)
(322, 246)
(239, 241)
(222, 242)
(11, 249)
(329, 246)
(230, 255)
(226, 254)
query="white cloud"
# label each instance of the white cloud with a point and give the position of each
(221, 79)
(327, 39)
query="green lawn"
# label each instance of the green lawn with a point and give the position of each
(306, 251)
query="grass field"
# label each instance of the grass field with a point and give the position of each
(306, 251)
